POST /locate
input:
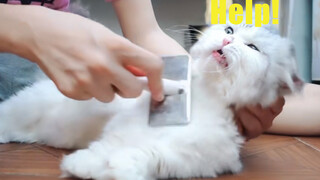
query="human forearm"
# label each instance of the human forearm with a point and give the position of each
(16, 30)
(136, 17)
(143, 29)
(301, 114)
(9, 21)
(160, 43)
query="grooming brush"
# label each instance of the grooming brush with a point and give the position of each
(175, 108)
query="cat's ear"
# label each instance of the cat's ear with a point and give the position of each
(292, 84)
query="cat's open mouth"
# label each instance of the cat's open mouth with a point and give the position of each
(220, 57)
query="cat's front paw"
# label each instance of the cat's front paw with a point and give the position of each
(236, 167)
(122, 165)
(82, 164)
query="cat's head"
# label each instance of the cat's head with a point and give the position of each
(249, 64)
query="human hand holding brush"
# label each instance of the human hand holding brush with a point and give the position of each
(83, 58)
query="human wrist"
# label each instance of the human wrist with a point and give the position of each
(160, 43)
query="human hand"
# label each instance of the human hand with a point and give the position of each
(254, 120)
(85, 59)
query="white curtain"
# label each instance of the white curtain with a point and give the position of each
(316, 41)
(296, 24)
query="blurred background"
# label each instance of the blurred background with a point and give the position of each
(316, 42)
(297, 21)
(171, 15)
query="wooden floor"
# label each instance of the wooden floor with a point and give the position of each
(267, 157)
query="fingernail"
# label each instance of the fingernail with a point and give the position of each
(160, 97)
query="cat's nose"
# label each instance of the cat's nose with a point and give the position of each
(227, 41)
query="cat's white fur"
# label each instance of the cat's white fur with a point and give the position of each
(116, 139)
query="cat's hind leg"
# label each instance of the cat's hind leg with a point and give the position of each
(101, 163)
(40, 113)
(147, 163)
(22, 112)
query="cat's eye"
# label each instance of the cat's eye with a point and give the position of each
(229, 30)
(253, 47)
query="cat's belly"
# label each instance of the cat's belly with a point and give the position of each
(131, 124)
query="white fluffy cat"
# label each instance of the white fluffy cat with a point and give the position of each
(233, 65)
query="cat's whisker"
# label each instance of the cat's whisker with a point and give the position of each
(213, 71)
(221, 70)
(191, 37)
(184, 29)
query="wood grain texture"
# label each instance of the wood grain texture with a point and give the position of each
(268, 157)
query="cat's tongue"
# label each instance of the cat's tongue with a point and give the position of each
(221, 59)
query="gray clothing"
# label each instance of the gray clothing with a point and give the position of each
(15, 74)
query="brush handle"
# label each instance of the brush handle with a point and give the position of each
(170, 87)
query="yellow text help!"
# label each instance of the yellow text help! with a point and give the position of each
(262, 13)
